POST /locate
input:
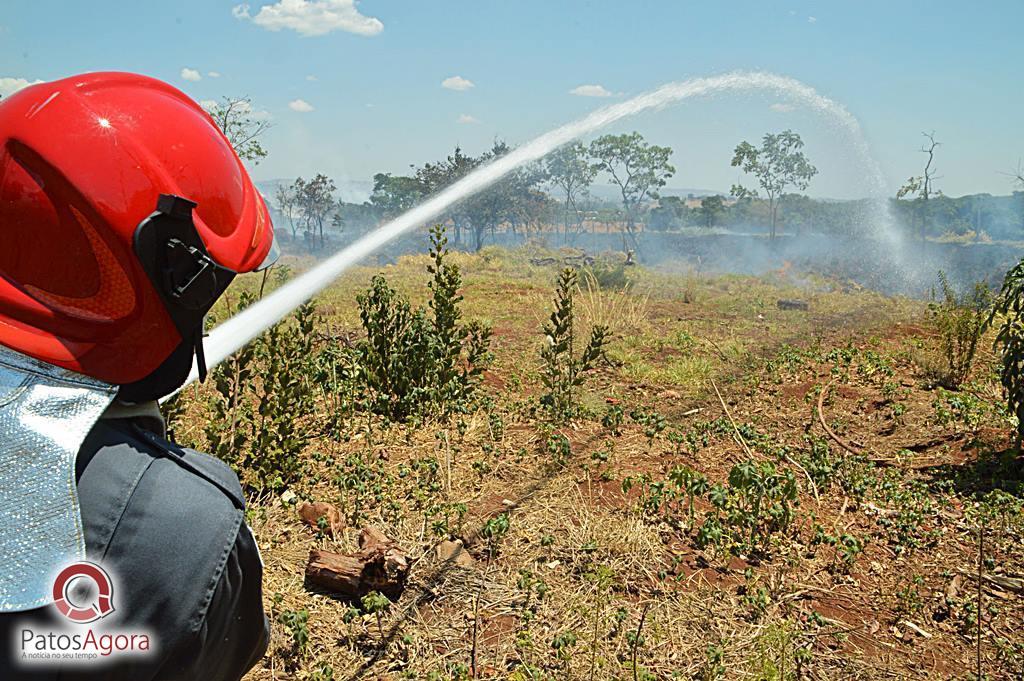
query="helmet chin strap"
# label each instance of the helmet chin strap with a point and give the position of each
(200, 354)
(187, 279)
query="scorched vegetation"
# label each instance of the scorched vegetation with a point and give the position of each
(617, 473)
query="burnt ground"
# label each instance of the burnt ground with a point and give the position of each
(873, 575)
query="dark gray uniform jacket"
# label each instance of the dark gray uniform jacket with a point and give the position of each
(169, 524)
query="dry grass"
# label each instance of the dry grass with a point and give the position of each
(571, 524)
(622, 311)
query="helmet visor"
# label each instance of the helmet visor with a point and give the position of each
(272, 255)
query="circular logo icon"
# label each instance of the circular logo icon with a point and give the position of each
(83, 593)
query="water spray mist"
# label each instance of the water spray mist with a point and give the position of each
(238, 331)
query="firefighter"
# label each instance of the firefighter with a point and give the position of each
(124, 215)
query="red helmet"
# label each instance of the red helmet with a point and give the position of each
(99, 245)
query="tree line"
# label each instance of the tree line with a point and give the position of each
(554, 193)
(536, 195)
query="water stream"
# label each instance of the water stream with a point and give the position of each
(236, 332)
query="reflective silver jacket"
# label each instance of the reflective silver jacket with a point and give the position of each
(170, 523)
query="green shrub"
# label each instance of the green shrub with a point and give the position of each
(757, 501)
(228, 430)
(960, 321)
(493, 531)
(263, 397)
(284, 399)
(1009, 310)
(564, 370)
(415, 362)
(610, 276)
(612, 419)
(296, 623)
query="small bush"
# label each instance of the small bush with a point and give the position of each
(296, 623)
(610, 276)
(960, 321)
(284, 398)
(259, 426)
(1009, 309)
(414, 362)
(564, 370)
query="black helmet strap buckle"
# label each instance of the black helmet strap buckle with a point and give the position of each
(180, 268)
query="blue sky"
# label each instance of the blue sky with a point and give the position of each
(372, 75)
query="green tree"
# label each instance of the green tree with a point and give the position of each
(638, 169)
(671, 211)
(356, 217)
(506, 201)
(243, 128)
(395, 194)
(801, 211)
(776, 165)
(532, 211)
(570, 169)
(315, 200)
(434, 177)
(981, 214)
(710, 208)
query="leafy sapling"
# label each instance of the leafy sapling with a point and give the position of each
(376, 603)
(564, 370)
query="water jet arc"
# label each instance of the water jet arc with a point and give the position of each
(235, 333)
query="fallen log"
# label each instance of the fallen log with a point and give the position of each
(378, 565)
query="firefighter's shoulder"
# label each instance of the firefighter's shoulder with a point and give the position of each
(165, 520)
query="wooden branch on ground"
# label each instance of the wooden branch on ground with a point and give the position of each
(379, 565)
(739, 437)
(838, 440)
(735, 428)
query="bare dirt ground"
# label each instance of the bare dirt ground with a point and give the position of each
(530, 561)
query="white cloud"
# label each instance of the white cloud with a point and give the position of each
(311, 17)
(781, 107)
(214, 74)
(8, 86)
(457, 83)
(466, 119)
(208, 104)
(311, 78)
(191, 75)
(300, 105)
(590, 91)
(812, 20)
